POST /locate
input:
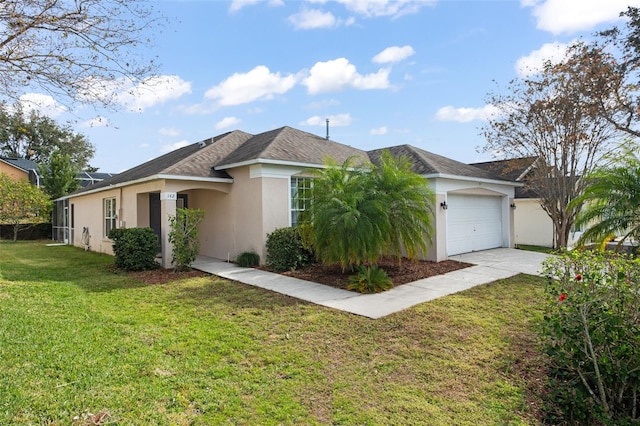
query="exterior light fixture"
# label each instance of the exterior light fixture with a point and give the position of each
(444, 205)
(513, 206)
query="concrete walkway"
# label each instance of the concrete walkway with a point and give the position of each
(490, 265)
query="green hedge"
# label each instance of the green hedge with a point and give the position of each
(285, 250)
(135, 248)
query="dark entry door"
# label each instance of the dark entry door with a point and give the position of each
(155, 221)
(154, 216)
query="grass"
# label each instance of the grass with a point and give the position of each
(80, 344)
(538, 249)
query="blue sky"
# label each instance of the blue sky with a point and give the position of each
(385, 72)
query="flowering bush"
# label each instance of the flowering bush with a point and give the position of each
(591, 332)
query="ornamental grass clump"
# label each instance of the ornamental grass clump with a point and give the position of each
(591, 333)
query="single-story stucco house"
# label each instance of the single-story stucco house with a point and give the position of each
(246, 183)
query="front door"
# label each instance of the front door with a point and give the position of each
(155, 221)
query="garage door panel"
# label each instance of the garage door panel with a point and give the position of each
(474, 222)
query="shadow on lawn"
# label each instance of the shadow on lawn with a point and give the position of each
(236, 294)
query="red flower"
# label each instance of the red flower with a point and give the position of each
(578, 277)
(562, 296)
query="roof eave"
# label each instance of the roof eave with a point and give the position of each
(472, 179)
(268, 161)
(147, 179)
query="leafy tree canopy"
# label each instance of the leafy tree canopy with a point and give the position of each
(73, 50)
(36, 138)
(22, 204)
(59, 176)
(608, 73)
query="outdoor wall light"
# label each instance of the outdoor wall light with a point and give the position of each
(444, 205)
(513, 206)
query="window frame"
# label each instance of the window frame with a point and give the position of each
(110, 215)
(299, 185)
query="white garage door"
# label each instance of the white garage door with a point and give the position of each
(474, 222)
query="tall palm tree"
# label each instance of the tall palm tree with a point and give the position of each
(612, 201)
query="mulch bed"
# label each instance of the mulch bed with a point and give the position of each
(400, 273)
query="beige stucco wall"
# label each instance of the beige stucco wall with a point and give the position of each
(13, 172)
(257, 204)
(533, 226)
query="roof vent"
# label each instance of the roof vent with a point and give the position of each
(327, 137)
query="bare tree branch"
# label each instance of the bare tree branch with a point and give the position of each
(65, 47)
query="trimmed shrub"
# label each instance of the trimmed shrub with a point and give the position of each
(369, 279)
(135, 248)
(285, 251)
(591, 333)
(248, 259)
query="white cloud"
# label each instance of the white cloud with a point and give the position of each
(393, 54)
(149, 92)
(465, 115)
(309, 19)
(236, 5)
(570, 16)
(534, 61)
(174, 146)
(168, 131)
(259, 83)
(339, 74)
(98, 121)
(379, 131)
(227, 122)
(42, 104)
(339, 120)
(153, 91)
(377, 8)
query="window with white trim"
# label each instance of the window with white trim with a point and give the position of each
(300, 197)
(110, 215)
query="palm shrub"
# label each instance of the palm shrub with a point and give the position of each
(184, 236)
(135, 249)
(360, 212)
(612, 201)
(591, 333)
(285, 250)
(369, 279)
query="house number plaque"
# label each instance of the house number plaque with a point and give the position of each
(169, 196)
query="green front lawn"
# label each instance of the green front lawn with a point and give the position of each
(78, 339)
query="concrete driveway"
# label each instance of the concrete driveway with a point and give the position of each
(489, 265)
(518, 261)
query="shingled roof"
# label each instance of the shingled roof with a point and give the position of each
(512, 169)
(211, 157)
(195, 160)
(428, 163)
(21, 163)
(290, 145)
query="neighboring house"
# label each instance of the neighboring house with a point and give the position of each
(20, 168)
(532, 225)
(246, 184)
